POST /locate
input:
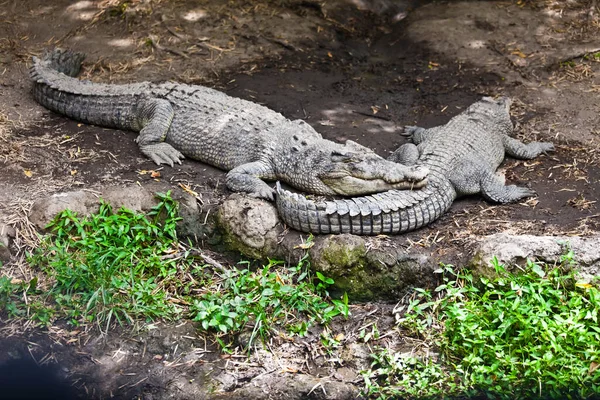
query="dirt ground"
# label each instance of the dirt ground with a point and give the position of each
(355, 70)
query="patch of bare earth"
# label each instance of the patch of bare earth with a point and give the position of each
(350, 73)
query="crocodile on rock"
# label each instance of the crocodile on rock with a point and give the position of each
(250, 141)
(462, 157)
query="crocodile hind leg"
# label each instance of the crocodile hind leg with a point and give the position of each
(155, 118)
(517, 149)
(472, 177)
(407, 154)
(247, 178)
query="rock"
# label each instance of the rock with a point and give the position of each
(251, 226)
(7, 233)
(132, 197)
(370, 274)
(515, 250)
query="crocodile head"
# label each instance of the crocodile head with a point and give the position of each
(356, 170)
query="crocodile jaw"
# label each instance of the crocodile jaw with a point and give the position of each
(353, 186)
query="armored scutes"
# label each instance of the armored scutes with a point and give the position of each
(250, 141)
(462, 157)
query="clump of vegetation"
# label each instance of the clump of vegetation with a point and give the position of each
(267, 299)
(125, 267)
(112, 265)
(516, 336)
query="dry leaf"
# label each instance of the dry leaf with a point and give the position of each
(305, 246)
(155, 174)
(73, 172)
(186, 188)
(329, 54)
(28, 173)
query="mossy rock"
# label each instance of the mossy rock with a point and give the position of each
(367, 274)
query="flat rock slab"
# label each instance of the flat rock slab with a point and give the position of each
(516, 249)
(133, 197)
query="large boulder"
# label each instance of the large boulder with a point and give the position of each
(250, 226)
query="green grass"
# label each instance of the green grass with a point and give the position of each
(112, 265)
(125, 267)
(516, 336)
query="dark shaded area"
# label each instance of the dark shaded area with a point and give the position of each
(24, 379)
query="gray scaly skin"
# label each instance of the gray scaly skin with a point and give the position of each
(250, 141)
(462, 157)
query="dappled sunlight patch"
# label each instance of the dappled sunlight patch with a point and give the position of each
(81, 5)
(194, 15)
(42, 10)
(477, 44)
(374, 123)
(122, 42)
(82, 10)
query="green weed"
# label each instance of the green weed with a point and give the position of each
(516, 336)
(266, 300)
(111, 265)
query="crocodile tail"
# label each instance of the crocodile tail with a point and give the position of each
(56, 88)
(393, 211)
(67, 62)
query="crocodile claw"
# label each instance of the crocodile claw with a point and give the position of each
(410, 130)
(162, 153)
(264, 192)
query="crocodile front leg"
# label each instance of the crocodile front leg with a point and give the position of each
(472, 177)
(155, 117)
(517, 149)
(248, 178)
(407, 154)
(494, 189)
(419, 135)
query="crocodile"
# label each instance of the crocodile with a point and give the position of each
(249, 140)
(462, 157)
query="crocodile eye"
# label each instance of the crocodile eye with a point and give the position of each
(295, 137)
(295, 149)
(303, 143)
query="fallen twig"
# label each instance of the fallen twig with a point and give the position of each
(371, 115)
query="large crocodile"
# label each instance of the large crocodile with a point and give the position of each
(462, 157)
(250, 141)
